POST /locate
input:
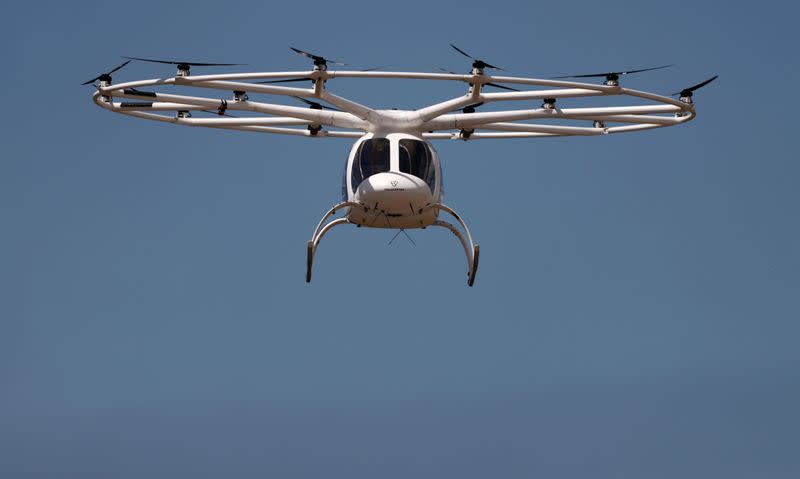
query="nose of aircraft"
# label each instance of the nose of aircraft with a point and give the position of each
(395, 192)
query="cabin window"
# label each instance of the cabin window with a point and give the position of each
(416, 158)
(371, 158)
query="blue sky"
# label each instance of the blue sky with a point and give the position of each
(636, 308)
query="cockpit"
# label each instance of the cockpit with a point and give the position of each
(415, 157)
(372, 157)
(395, 153)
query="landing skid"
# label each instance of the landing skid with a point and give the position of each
(471, 250)
(322, 229)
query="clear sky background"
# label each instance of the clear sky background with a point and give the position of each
(635, 314)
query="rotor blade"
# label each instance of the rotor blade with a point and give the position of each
(695, 87)
(107, 73)
(217, 113)
(122, 65)
(647, 69)
(463, 52)
(488, 84)
(501, 86)
(304, 53)
(91, 81)
(592, 75)
(194, 64)
(476, 60)
(316, 105)
(316, 57)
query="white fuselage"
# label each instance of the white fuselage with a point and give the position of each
(396, 177)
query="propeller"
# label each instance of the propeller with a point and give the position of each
(287, 80)
(477, 63)
(190, 64)
(105, 76)
(316, 106)
(488, 84)
(183, 67)
(290, 80)
(221, 110)
(318, 60)
(613, 76)
(687, 92)
(218, 113)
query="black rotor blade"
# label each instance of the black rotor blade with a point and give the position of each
(463, 52)
(502, 86)
(688, 91)
(122, 65)
(193, 64)
(488, 65)
(315, 105)
(476, 60)
(488, 84)
(606, 74)
(306, 54)
(106, 73)
(647, 69)
(316, 58)
(217, 113)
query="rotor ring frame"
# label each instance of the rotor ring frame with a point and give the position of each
(432, 122)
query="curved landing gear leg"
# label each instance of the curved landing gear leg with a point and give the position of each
(321, 230)
(471, 249)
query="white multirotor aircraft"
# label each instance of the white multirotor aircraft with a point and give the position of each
(393, 176)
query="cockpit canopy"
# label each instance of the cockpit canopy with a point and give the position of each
(415, 157)
(373, 156)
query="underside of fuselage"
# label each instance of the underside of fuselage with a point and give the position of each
(393, 200)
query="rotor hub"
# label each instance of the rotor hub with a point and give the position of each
(612, 79)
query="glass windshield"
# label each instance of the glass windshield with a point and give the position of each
(417, 159)
(372, 157)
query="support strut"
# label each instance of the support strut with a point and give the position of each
(471, 249)
(322, 229)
